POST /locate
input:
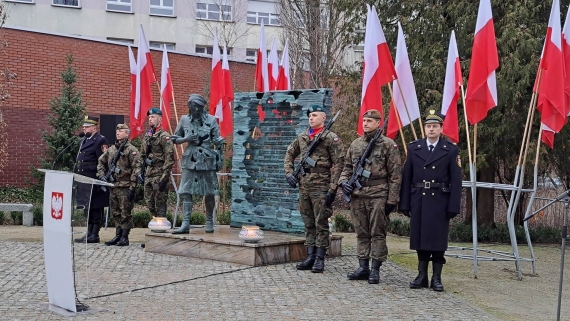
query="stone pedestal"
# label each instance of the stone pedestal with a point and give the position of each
(225, 245)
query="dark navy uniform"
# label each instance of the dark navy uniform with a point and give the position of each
(87, 159)
(431, 195)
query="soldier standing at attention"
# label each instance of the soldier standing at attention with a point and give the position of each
(431, 196)
(157, 153)
(372, 205)
(128, 167)
(91, 147)
(317, 189)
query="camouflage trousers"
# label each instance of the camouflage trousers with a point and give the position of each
(370, 225)
(315, 215)
(153, 197)
(121, 207)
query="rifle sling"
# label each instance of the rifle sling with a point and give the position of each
(374, 182)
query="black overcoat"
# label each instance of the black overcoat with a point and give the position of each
(431, 208)
(90, 151)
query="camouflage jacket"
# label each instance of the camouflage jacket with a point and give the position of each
(201, 157)
(385, 165)
(328, 154)
(160, 159)
(129, 165)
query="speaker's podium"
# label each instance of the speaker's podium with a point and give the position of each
(63, 193)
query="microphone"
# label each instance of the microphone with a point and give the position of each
(66, 148)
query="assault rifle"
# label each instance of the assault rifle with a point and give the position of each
(306, 158)
(113, 166)
(359, 170)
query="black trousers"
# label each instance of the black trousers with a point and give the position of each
(434, 256)
(95, 215)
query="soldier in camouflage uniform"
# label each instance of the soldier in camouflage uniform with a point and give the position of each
(317, 189)
(125, 180)
(157, 153)
(371, 206)
(200, 161)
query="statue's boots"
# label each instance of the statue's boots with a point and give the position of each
(436, 277)
(319, 265)
(86, 235)
(117, 237)
(185, 227)
(94, 237)
(374, 277)
(124, 241)
(210, 205)
(310, 260)
(363, 272)
(421, 281)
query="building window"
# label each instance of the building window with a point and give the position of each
(21, 1)
(162, 8)
(120, 5)
(160, 45)
(208, 50)
(208, 11)
(121, 40)
(251, 55)
(66, 3)
(269, 19)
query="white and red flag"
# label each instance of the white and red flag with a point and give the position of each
(284, 78)
(451, 92)
(566, 54)
(273, 66)
(405, 91)
(134, 120)
(482, 84)
(145, 77)
(226, 122)
(261, 76)
(378, 66)
(166, 90)
(216, 80)
(393, 119)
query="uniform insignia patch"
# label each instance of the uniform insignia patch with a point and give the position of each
(104, 148)
(458, 160)
(134, 153)
(336, 139)
(167, 137)
(395, 146)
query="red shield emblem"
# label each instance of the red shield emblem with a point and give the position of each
(56, 205)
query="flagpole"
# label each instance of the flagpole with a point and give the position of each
(398, 119)
(176, 117)
(406, 107)
(169, 127)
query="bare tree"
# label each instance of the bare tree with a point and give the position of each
(6, 77)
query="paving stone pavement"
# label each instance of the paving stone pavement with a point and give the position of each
(133, 285)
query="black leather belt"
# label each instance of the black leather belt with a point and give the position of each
(374, 182)
(86, 163)
(317, 170)
(429, 185)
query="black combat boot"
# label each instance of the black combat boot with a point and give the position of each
(421, 281)
(117, 237)
(319, 265)
(310, 260)
(436, 277)
(374, 277)
(94, 237)
(362, 272)
(124, 238)
(86, 235)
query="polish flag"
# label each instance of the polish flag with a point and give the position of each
(408, 89)
(284, 78)
(145, 77)
(134, 119)
(552, 83)
(166, 90)
(226, 121)
(482, 86)
(547, 136)
(393, 126)
(453, 80)
(378, 66)
(273, 66)
(566, 52)
(216, 81)
(261, 73)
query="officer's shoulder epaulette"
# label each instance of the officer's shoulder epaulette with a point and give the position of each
(450, 142)
(415, 141)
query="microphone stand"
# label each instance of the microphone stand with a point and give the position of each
(60, 153)
(564, 197)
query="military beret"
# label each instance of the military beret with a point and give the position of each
(315, 108)
(197, 99)
(434, 117)
(121, 126)
(90, 121)
(372, 113)
(154, 111)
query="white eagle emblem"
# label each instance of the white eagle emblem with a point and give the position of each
(57, 205)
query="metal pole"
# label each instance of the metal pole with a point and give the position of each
(564, 237)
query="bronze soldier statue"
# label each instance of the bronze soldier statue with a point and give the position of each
(157, 153)
(317, 188)
(372, 204)
(431, 196)
(200, 161)
(120, 165)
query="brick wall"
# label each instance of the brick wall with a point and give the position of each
(103, 76)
